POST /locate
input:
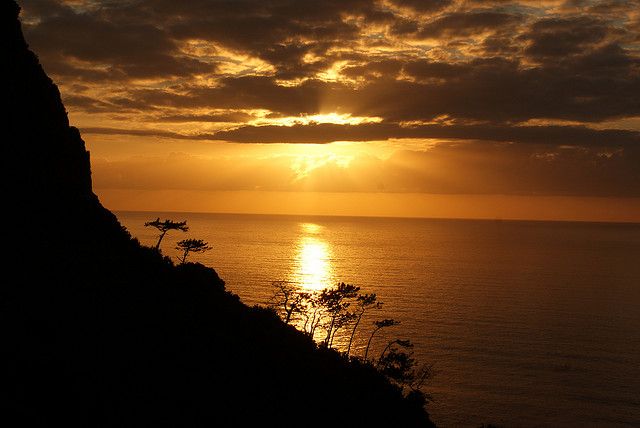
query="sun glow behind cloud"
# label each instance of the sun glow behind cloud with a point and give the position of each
(334, 118)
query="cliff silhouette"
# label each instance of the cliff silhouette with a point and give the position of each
(101, 331)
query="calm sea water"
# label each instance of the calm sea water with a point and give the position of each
(527, 324)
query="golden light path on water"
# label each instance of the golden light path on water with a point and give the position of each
(313, 270)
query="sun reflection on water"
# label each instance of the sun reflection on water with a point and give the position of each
(311, 228)
(313, 270)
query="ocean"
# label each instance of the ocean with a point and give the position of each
(526, 324)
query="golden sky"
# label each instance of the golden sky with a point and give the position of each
(446, 108)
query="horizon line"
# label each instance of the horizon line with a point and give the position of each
(496, 219)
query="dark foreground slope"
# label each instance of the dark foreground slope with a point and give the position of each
(100, 331)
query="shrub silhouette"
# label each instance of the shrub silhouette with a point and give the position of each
(192, 246)
(287, 300)
(165, 226)
(379, 325)
(364, 302)
(336, 302)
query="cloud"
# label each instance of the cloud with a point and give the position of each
(247, 92)
(579, 68)
(464, 24)
(549, 39)
(423, 5)
(234, 70)
(324, 133)
(231, 116)
(111, 50)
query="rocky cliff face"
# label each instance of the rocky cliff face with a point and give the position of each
(37, 122)
(46, 166)
(100, 331)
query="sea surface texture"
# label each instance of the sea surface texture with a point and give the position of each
(526, 324)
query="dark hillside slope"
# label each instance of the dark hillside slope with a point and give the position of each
(100, 331)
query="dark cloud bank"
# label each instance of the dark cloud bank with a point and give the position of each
(551, 74)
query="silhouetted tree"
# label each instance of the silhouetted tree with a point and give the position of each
(165, 226)
(379, 325)
(329, 308)
(397, 364)
(422, 375)
(288, 300)
(365, 302)
(192, 246)
(401, 342)
(312, 314)
(336, 302)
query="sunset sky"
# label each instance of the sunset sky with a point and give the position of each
(438, 108)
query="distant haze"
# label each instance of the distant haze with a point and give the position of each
(495, 207)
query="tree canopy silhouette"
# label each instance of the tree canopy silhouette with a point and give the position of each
(379, 325)
(336, 302)
(288, 300)
(365, 302)
(192, 246)
(343, 305)
(165, 226)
